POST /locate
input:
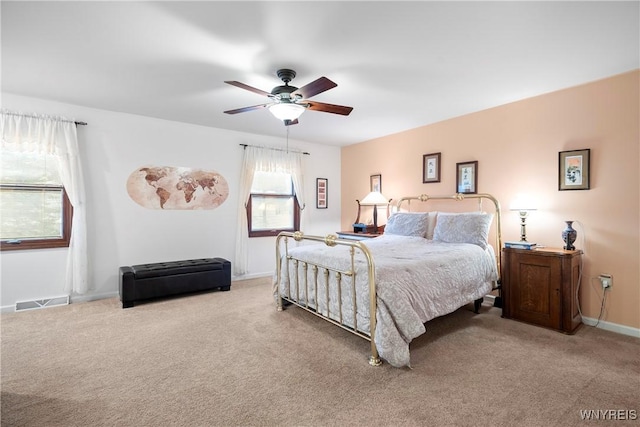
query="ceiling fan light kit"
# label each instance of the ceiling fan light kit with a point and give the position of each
(289, 102)
(287, 111)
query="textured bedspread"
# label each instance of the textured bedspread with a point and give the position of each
(416, 280)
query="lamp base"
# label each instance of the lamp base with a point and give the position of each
(523, 226)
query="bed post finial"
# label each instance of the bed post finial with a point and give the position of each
(330, 239)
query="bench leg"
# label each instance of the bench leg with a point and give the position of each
(127, 304)
(225, 288)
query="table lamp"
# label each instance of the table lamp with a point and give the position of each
(375, 198)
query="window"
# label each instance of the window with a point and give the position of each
(272, 206)
(35, 212)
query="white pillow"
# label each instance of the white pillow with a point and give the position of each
(407, 224)
(470, 227)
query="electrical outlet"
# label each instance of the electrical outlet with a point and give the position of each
(606, 280)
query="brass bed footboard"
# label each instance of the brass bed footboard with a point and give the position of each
(321, 277)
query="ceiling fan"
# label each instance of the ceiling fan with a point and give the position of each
(289, 102)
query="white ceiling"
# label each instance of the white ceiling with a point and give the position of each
(400, 65)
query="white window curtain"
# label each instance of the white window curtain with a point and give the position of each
(263, 159)
(58, 136)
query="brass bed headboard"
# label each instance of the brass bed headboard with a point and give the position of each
(461, 197)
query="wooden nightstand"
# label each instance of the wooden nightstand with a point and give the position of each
(356, 236)
(539, 287)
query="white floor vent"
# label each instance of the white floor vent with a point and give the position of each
(42, 303)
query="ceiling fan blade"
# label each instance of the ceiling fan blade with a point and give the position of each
(315, 87)
(328, 108)
(245, 109)
(247, 87)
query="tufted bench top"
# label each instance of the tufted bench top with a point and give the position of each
(144, 271)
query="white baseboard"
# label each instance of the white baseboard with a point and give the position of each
(607, 326)
(613, 327)
(13, 308)
(73, 299)
(253, 276)
(116, 294)
(94, 297)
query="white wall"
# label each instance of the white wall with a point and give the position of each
(121, 232)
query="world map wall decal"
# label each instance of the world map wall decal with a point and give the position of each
(169, 187)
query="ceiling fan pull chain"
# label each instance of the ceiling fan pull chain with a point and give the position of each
(287, 139)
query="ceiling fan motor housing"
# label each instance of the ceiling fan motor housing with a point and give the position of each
(283, 92)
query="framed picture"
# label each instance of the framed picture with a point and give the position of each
(573, 170)
(431, 168)
(376, 183)
(467, 177)
(321, 193)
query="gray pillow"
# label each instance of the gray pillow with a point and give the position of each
(407, 224)
(472, 227)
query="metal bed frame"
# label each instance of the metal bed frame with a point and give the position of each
(349, 275)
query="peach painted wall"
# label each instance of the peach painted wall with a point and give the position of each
(517, 148)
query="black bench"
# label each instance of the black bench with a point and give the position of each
(148, 281)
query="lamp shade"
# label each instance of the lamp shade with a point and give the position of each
(523, 203)
(374, 198)
(287, 110)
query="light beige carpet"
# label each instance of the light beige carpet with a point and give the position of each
(229, 359)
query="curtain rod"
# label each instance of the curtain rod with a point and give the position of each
(275, 149)
(35, 116)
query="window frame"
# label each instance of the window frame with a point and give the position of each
(274, 232)
(67, 220)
